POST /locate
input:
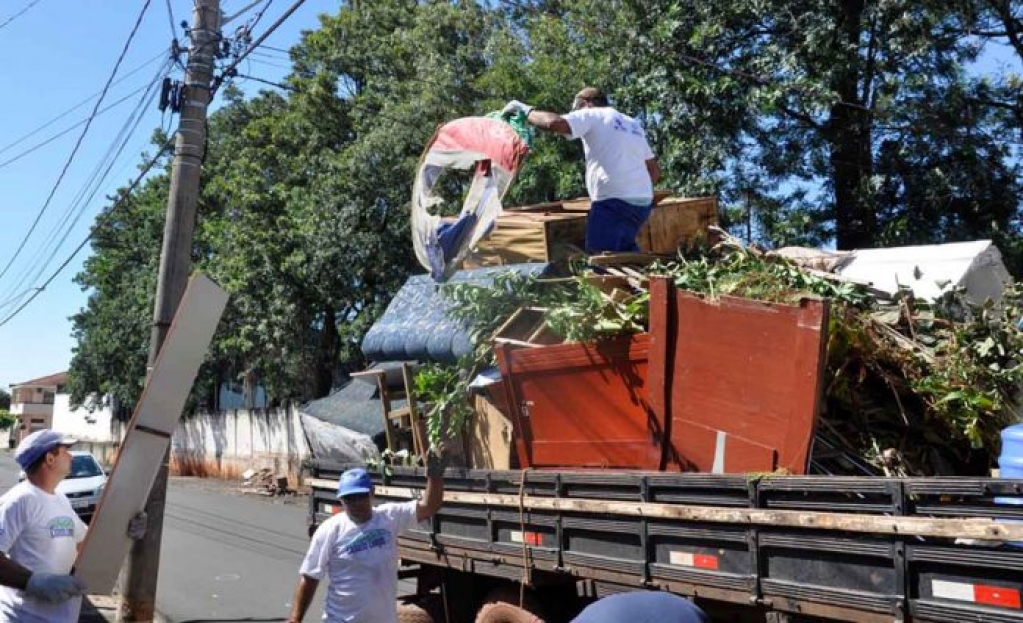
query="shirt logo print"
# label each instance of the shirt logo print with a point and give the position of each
(370, 539)
(61, 527)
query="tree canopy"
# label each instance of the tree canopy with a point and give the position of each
(847, 123)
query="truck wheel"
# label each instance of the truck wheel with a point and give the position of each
(413, 613)
(426, 611)
(502, 606)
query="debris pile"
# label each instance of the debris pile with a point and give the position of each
(913, 387)
(265, 482)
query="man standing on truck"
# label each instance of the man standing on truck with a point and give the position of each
(357, 550)
(621, 169)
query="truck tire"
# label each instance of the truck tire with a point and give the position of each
(502, 606)
(413, 613)
(429, 610)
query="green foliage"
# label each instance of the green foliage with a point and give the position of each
(445, 391)
(861, 124)
(7, 421)
(591, 315)
(5, 399)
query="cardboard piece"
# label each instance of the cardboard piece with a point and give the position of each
(149, 433)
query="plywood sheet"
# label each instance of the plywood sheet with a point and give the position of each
(677, 222)
(739, 380)
(520, 238)
(490, 443)
(149, 433)
(582, 405)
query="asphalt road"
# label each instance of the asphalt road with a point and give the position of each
(226, 556)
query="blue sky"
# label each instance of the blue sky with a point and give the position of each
(58, 54)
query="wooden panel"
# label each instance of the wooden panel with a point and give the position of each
(676, 222)
(582, 405)
(149, 433)
(520, 238)
(748, 372)
(490, 445)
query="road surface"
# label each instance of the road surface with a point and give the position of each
(226, 556)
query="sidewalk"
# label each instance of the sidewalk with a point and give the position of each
(103, 609)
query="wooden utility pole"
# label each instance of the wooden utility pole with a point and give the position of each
(139, 576)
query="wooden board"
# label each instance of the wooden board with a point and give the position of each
(739, 381)
(521, 238)
(490, 434)
(149, 433)
(582, 405)
(677, 222)
(941, 527)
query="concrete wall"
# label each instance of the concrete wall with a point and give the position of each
(226, 443)
(98, 425)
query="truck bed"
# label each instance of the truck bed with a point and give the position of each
(855, 549)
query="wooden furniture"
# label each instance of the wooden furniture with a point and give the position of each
(519, 238)
(403, 428)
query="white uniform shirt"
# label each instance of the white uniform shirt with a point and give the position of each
(40, 532)
(616, 152)
(361, 564)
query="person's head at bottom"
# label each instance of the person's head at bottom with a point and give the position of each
(642, 607)
(355, 491)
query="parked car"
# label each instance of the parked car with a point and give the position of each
(84, 484)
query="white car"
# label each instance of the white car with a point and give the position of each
(84, 484)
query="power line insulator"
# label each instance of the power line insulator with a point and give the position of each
(165, 94)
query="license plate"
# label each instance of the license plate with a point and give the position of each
(80, 503)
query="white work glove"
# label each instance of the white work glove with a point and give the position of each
(137, 526)
(53, 588)
(515, 106)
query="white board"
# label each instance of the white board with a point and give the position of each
(149, 433)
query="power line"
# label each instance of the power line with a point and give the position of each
(99, 222)
(229, 70)
(77, 207)
(78, 144)
(170, 18)
(49, 140)
(19, 13)
(79, 105)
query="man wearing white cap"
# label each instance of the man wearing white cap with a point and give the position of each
(39, 536)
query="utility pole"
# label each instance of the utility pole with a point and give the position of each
(139, 576)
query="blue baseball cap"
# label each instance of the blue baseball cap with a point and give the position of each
(39, 443)
(354, 482)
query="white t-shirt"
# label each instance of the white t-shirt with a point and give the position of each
(361, 564)
(616, 153)
(40, 532)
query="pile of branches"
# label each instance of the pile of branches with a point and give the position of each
(912, 387)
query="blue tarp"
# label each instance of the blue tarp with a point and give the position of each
(416, 327)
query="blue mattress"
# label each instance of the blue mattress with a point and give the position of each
(416, 326)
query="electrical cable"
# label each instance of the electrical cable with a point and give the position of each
(74, 152)
(82, 103)
(77, 207)
(99, 221)
(170, 18)
(49, 140)
(219, 80)
(19, 14)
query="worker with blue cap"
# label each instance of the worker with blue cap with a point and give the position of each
(642, 607)
(357, 549)
(40, 534)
